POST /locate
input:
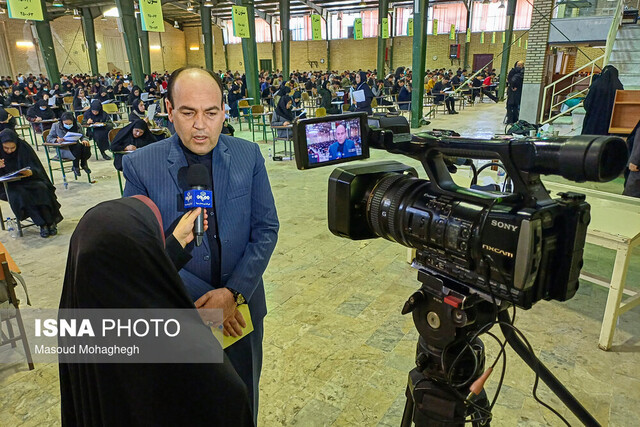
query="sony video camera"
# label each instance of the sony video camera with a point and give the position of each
(519, 246)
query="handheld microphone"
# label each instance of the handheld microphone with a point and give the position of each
(198, 196)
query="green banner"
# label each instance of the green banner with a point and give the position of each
(482, 37)
(357, 29)
(410, 27)
(25, 9)
(468, 35)
(385, 28)
(504, 37)
(435, 27)
(526, 44)
(452, 32)
(316, 27)
(240, 22)
(520, 42)
(493, 37)
(151, 15)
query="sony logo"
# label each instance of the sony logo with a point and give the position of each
(503, 225)
(497, 250)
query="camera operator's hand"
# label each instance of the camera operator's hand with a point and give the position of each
(633, 168)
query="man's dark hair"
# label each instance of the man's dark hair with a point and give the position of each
(176, 73)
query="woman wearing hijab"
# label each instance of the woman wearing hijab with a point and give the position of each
(138, 111)
(32, 197)
(80, 102)
(79, 152)
(31, 91)
(325, 99)
(6, 121)
(131, 137)
(361, 84)
(599, 102)
(232, 99)
(283, 116)
(100, 129)
(17, 96)
(39, 112)
(134, 95)
(131, 267)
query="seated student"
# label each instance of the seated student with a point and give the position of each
(6, 121)
(486, 83)
(103, 95)
(283, 116)
(17, 96)
(131, 266)
(404, 97)
(79, 152)
(438, 91)
(80, 102)
(30, 92)
(325, 99)
(120, 89)
(131, 137)
(100, 135)
(32, 197)
(138, 111)
(343, 147)
(227, 129)
(476, 84)
(134, 95)
(39, 112)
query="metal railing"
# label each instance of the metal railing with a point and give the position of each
(550, 89)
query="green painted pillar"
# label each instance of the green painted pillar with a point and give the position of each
(467, 44)
(326, 23)
(383, 12)
(45, 40)
(506, 50)
(285, 45)
(421, 8)
(130, 34)
(90, 39)
(250, 53)
(205, 22)
(144, 46)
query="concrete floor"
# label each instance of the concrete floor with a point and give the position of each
(337, 350)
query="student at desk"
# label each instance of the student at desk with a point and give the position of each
(6, 122)
(31, 197)
(131, 137)
(283, 116)
(97, 116)
(79, 152)
(17, 96)
(80, 102)
(138, 111)
(134, 95)
(39, 112)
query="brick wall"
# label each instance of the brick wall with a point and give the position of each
(535, 62)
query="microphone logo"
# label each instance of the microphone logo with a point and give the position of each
(188, 198)
(202, 196)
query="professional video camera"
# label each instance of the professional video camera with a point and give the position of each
(477, 251)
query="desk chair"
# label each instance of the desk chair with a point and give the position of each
(321, 112)
(259, 121)
(58, 157)
(112, 135)
(21, 126)
(242, 106)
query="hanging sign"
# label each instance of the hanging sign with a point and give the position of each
(520, 42)
(468, 35)
(357, 29)
(240, 20)
(493, 37)
(526, 44)
(410, 27)
(25, 9)
(504, 37)
(452, 32)
(482, 37)
(385, 28)
(151, 15)
(435, 27)
(316, 27)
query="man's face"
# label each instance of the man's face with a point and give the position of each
(196, 112)
(341, 134)
(520, 64)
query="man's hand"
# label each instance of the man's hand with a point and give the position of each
(633, 168)
(233, 326)
(218, 298)
(184, 230)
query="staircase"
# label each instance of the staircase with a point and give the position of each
(625, 55)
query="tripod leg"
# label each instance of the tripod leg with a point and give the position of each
(407, 415)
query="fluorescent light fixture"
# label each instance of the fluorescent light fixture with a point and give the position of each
(57, 3)
(155, 47)
(194, 47)
(189, 6)
(208, 3)
(113, 13)
(24, 44)
(76, 14)
(175, 24)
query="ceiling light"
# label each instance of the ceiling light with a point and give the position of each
(175, 24)
(208, 3)
(76, 14)
(24, 44)
(189, 6)
(194, 48)
(155, 47)
(113, 12)
(57, 3)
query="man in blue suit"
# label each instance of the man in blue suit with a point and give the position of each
(343, 147)
(226, 270)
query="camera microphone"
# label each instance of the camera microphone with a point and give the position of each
(198, 196)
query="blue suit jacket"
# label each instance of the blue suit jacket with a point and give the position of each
(245, 210)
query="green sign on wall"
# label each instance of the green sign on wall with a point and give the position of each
(25, 9)
(316, 27)
(357, 29)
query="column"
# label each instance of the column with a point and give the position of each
(506, 50)
(421, 8)
(383, 11)
(250, 54)
(144, 46)
(467, 44)
(90, 39)
(205, 22)
(130, 34)
(285, 45)
(45, 40)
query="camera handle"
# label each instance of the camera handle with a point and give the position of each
(445, 314)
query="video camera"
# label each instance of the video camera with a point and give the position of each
(517, 247)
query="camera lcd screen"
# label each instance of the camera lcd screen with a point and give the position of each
(331, 140)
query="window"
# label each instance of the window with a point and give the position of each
(341, 22)
(491, 17)
(263, 32)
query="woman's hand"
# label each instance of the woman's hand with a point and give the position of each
(1, 163)
(130, 148)
(85, 142)
(59, 140)
(184, 230)
(286, 124)
(89, 121)
(633, 168)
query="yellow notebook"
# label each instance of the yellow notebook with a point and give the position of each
(227, 341)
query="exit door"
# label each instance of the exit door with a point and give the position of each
(266, 65)
(482, 60)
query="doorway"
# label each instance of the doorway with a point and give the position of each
(266, 64)
(482, 60)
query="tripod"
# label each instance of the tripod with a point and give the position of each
(450, 357)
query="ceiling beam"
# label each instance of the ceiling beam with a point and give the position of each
(314, 6)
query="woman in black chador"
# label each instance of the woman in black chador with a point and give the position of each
(599, 102)
(32, 197)
(124, 263)
(131, 137)
(96, 115)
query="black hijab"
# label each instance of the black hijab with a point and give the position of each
(101, 117)
(69, 116)
(22, 157)
(282, 111)
(135, 108)
(4, 117)
(35, 111)
(123, 264)
(599, 102)
(132, 96)
(125, 136)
